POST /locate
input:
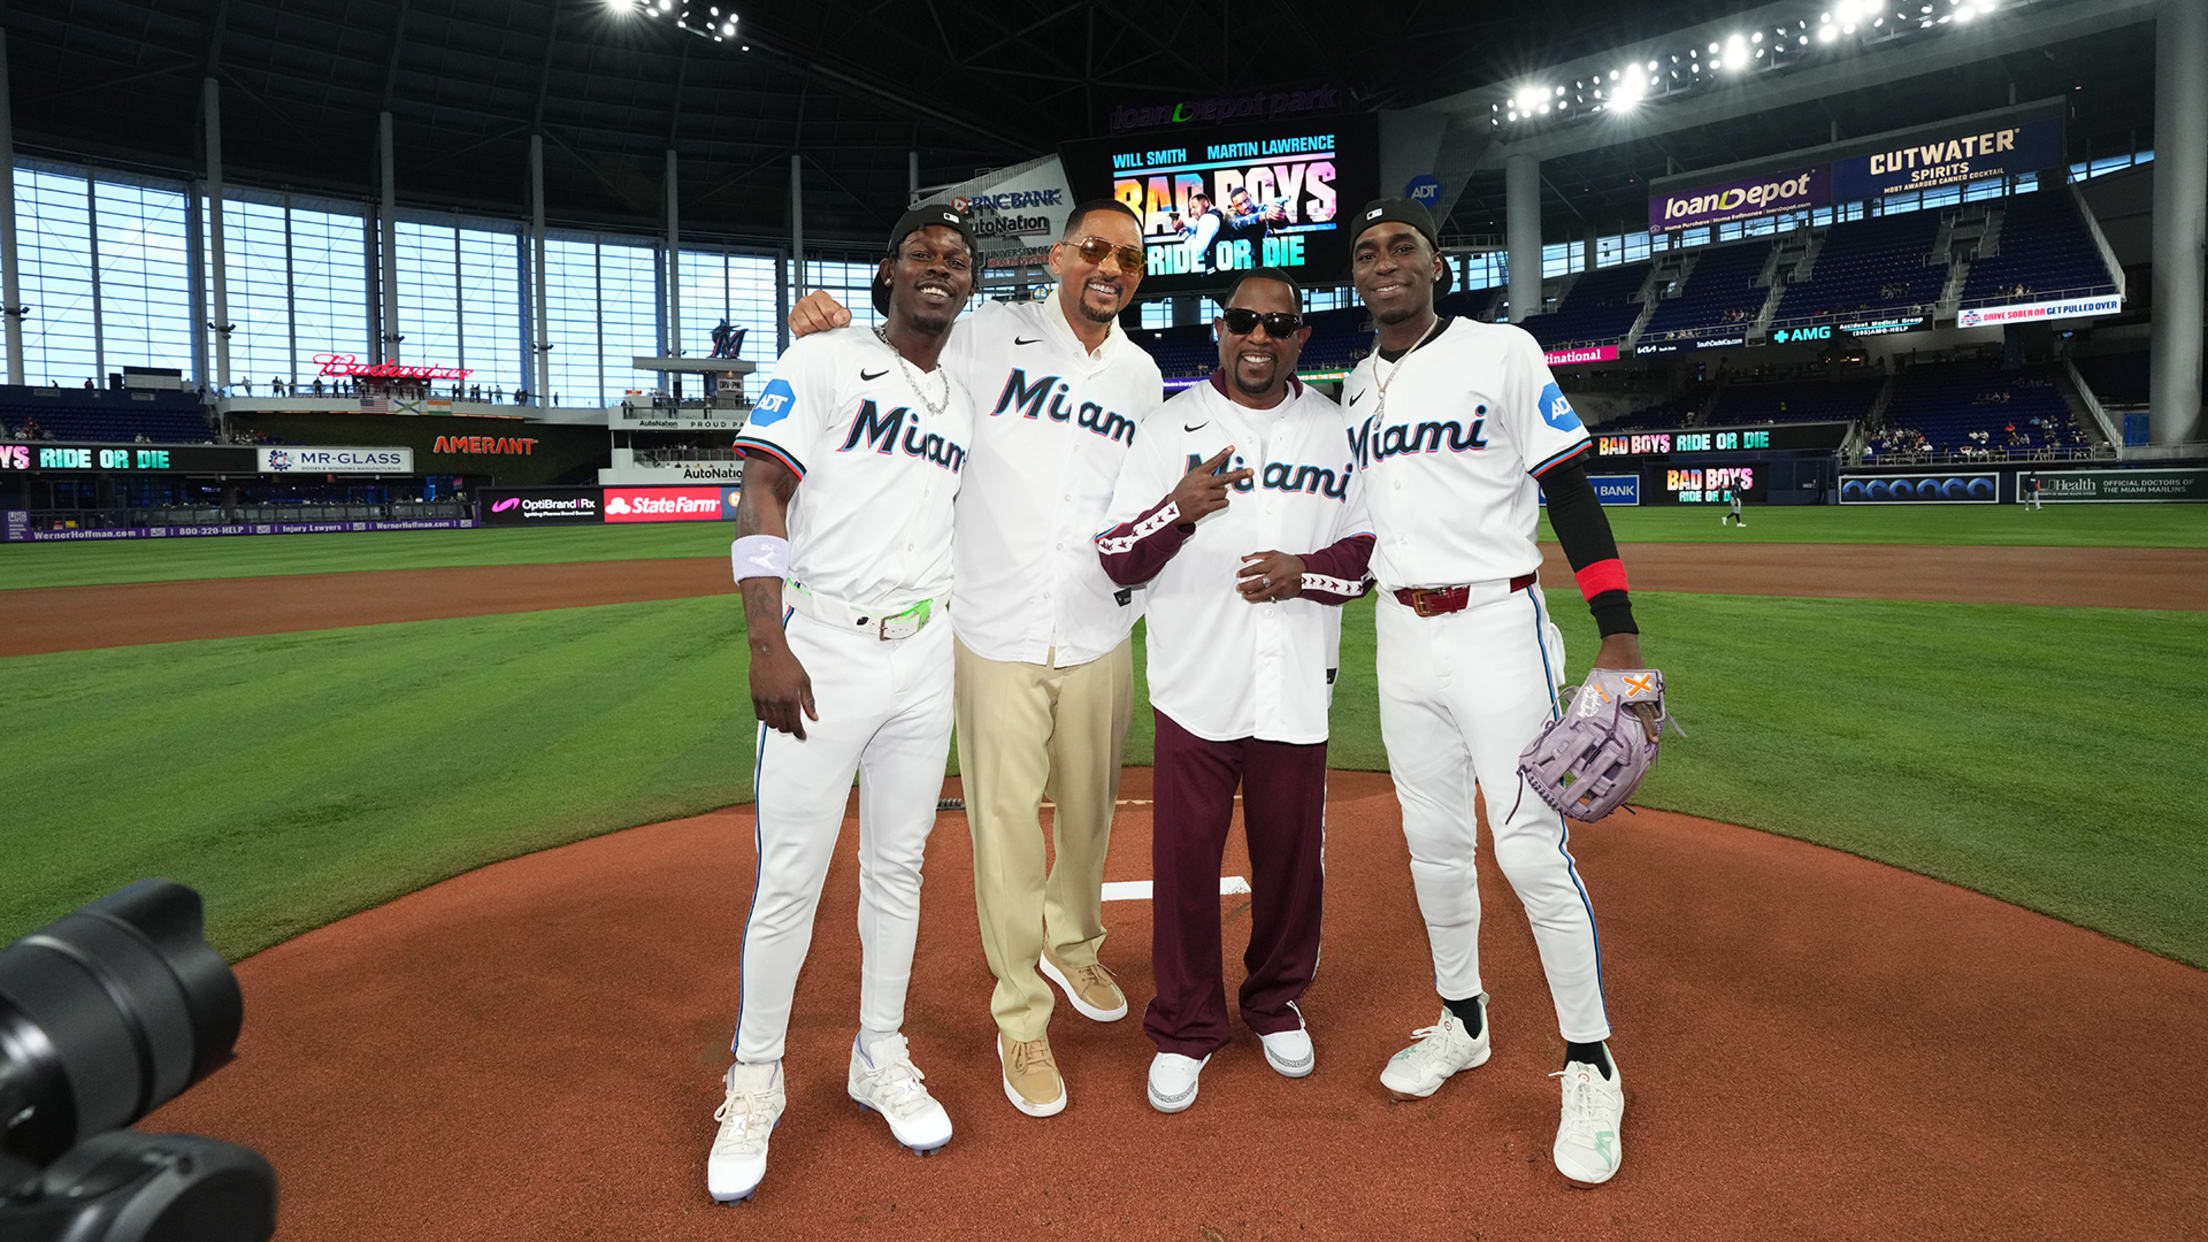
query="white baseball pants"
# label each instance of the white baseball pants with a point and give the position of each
(1460, 696)
(885, 712)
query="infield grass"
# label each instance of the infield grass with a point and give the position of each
(169, 560)
(298, 778)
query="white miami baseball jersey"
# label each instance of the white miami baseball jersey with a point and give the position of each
(1222, 667)
(871, 522)
(1451, 440)
(1053, 424)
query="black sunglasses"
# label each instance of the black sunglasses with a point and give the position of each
(1242, 321)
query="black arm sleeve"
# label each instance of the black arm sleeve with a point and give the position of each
(1575, 512)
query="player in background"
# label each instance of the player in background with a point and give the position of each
(2031, 492)
(1045, 665)
(1736, 496)
(1243, 642)
(1454, 425)
(853, 454)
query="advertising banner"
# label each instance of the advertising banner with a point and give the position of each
(1568, 357)
(1952, 155)
(1613, 489)
(1710, 485)
(47, 456)
(16, 529)
(1691, 208)
(1950, 488)
(1788, 438)
(1694, 343)
(2118, 486)
(1884, 327)
(1015, 213)
(294, 460)
(2024, 312)
(542, 506)
(666, 504)
(1219, 201)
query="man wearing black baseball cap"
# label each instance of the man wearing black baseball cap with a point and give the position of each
(1458, 433)
(858, 433)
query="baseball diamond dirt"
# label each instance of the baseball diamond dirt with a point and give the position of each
(33, 621)
(1815, 1046)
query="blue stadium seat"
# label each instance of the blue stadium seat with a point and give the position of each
(1798, 402)
(1720, 298)
(1599, 309)
(2046, 254)
(1869, 266)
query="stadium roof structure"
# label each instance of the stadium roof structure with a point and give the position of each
(854, 85)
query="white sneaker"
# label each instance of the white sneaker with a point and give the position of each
(748, 1118)
(1290, 1052)
(1173, 1081)
(887, 1082)
(1442, 1050)
(1588, 1148)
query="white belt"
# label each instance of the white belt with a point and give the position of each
(888, 621)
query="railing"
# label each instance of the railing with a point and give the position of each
(2109, 431)
(1984, 457)
(245, 515)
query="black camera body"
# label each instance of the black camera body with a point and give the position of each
(105, 1015)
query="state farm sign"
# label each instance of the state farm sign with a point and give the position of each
(663, 504)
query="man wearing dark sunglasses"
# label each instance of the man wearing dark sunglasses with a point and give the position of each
(1045, 680)
(1459, 431)
(1243, 642)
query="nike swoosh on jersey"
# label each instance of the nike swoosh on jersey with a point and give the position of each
(871, 376)
(1197, 427)
(1359, 397)
(1023, 341)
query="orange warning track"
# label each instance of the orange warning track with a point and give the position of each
(81, 618)
(1813, 1046)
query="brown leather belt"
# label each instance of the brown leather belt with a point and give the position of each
(1434, 601)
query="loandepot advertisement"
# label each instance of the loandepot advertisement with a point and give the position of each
(1219, 201)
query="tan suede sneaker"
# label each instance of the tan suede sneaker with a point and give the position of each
(1031, 1078)
(1093, 991)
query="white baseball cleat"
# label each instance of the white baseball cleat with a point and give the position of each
(1173, 1081)
(1588, 1147)
(1290, 1052)
(748, 1117)
(1442, 1050)
(887, 1082)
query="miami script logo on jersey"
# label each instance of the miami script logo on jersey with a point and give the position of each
(1370, 444)
(1281, 476)
(1556, 411)
(1046, 397)
(774, 404)
(880, 432)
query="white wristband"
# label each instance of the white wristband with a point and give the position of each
(760, 556)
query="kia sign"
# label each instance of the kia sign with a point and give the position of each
(1568, 357)
(664, 504)
(1740, 200)
(2024, 312)
(334, 460)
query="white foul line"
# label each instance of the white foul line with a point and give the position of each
(1139, 890)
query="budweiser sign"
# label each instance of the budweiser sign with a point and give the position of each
(350, 364)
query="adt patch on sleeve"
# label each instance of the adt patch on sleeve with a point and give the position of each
(1556, 411)
(776, 403)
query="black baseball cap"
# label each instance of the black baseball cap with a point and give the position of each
(1401, 211)
(913, 221)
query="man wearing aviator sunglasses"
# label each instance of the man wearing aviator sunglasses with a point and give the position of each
(1045, 671)
(1243, 644)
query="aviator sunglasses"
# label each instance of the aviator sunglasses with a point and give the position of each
(1278, 324)
(1096, 250)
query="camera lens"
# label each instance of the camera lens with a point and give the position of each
(108, 1013)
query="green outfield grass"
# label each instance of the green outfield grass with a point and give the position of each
(298, 778)
(169, 560)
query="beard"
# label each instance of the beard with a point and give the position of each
(1256, 388)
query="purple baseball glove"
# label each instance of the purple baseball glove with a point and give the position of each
(1589, 761)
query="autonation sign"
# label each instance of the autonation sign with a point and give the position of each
(1741, 200)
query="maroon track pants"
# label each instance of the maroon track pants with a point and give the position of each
(1284, 817)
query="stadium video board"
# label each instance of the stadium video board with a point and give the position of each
(1784, 438)
(1229, 199)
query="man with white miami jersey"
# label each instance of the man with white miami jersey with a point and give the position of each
(1243, 643)
(1454, 424)
(853, 454)
(1045, 668)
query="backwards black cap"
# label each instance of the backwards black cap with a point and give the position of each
(926, 214)
(1399, 210)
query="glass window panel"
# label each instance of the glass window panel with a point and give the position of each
(329, 285)
(628, 312)
(54, 253)
(145, 285)
(428, 287)
(492, 339)
(257, 290)
(571, 315)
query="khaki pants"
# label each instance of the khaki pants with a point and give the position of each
(1027, 732)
